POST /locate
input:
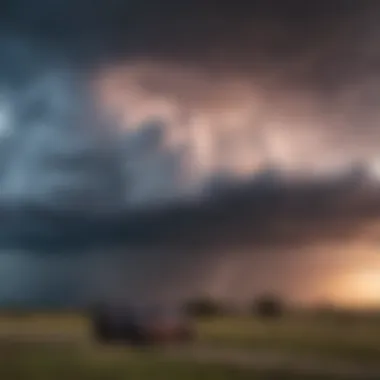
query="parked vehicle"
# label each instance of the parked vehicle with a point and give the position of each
(147, 325)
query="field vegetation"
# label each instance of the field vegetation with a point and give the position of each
(60, 346)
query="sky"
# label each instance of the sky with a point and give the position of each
(161, 150)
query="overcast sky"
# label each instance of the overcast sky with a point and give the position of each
(114, 120)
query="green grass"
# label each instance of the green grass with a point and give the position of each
(58, 361)
(38, 361)
(304, 336)
(28, 352)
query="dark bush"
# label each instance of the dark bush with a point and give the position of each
(268, 307)
(204, 307)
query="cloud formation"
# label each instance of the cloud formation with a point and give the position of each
(259, 110)
(299, 103)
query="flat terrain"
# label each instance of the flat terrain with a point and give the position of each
(59, 346)
(334, 337)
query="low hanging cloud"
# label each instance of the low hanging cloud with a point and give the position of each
(268, 211)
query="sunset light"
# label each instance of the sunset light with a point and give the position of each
(358, 289)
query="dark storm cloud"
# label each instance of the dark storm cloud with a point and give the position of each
(187, 30)
(298, 44)
(266, 212)
(67, 184)
(321, 45)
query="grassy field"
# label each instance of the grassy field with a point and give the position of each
(354, 340)
(47, 346)
(59, 361)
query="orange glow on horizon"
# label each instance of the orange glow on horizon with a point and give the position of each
(357, 289)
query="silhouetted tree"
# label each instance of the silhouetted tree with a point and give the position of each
(204, 307)
(268, 307)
